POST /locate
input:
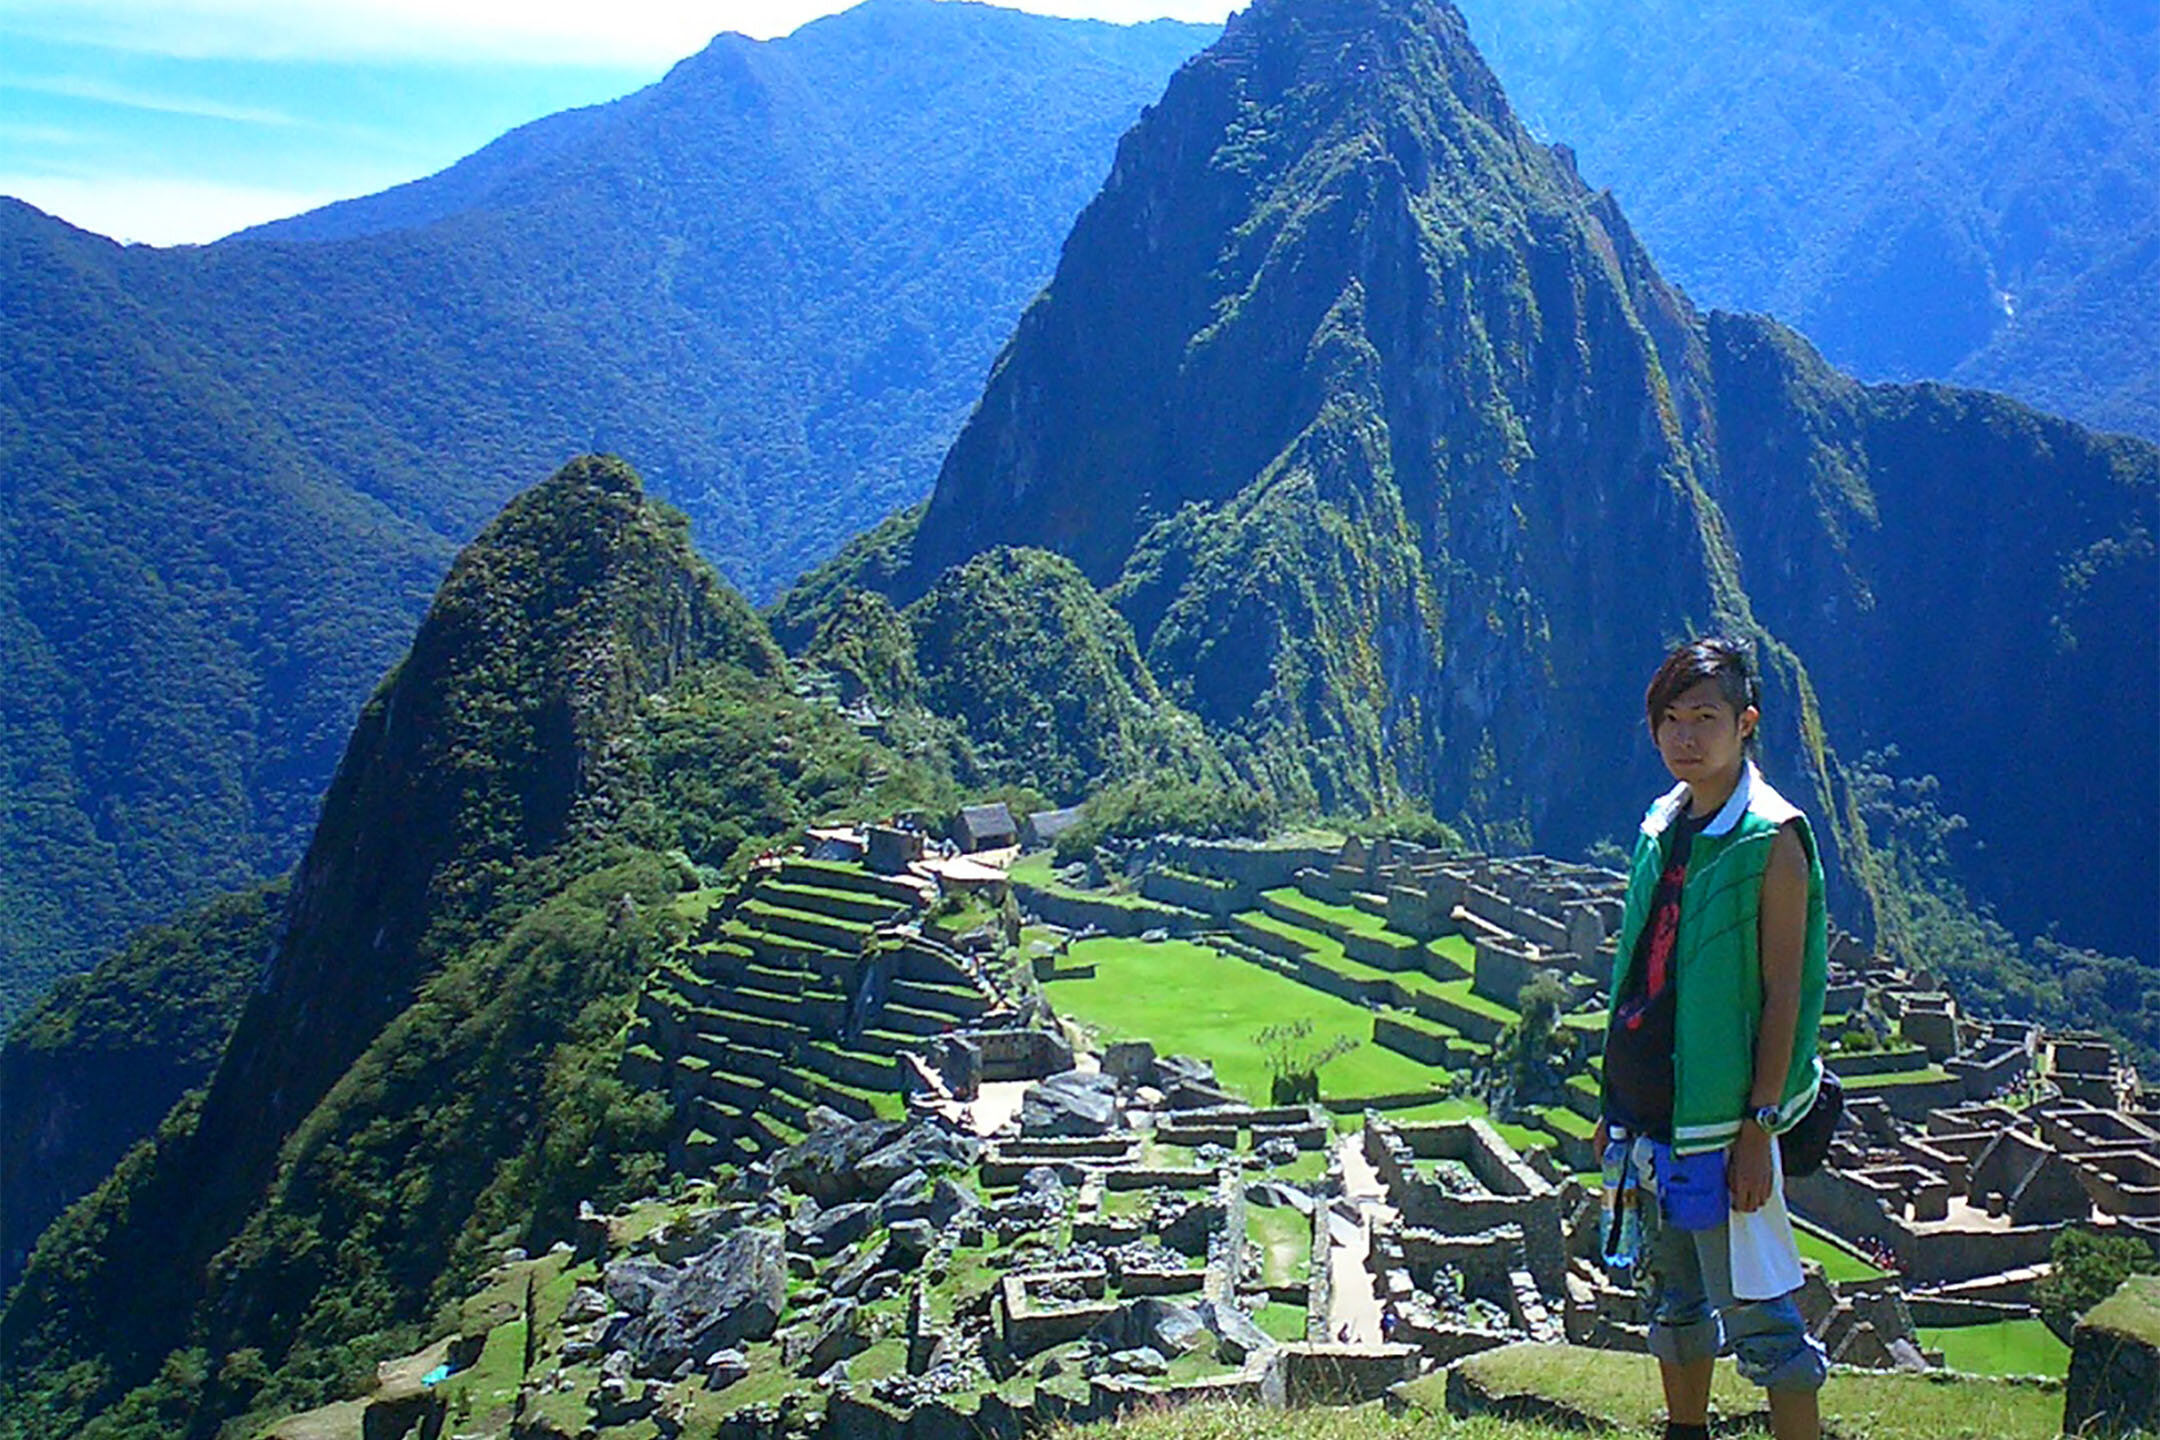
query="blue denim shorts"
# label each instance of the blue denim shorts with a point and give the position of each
(1686, 1282)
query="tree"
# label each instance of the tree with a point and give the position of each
(1527, 1049)
(2084, 1270)
(1294, 1061)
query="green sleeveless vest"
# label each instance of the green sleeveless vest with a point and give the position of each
(1718, 960)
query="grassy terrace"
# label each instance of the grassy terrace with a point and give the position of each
(2008, 1347)
(1622, 1390)
(1190, 999)
(1344, 917)
(1838, 1263)
(1928, 1075)
(1327, 952)
(1035, 870)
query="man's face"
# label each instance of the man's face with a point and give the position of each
(1699, 736)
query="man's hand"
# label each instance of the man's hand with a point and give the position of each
(1747, 1168)
(1597, 1145)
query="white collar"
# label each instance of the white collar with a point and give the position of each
(1670, 805)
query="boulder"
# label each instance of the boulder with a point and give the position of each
(1141, 1360)
(924, 1146)
(724, 1367)
(1237, 1338)
(840, 1330)
(586, 1305)
(1130, 1062)
(1045, 1180)
(824, 1163)
(632, 1282)
(856, 1273)
(827, 1232)
(735, 1291)
(1162, 1325)
(1181, 1069)
(1071, 1104)
(908, 1242)
(692, 1235)
(941, 1202)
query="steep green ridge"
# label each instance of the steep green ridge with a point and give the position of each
(1961, 192)
(1403, 462)
(1043, 675)
(236, 472)
(96, 1064)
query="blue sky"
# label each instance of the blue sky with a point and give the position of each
(178, 121)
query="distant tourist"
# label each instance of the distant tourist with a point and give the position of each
(1717, 992)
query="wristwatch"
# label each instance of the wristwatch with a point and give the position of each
(1764, 1116)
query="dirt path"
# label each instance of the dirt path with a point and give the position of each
(1352, 1300)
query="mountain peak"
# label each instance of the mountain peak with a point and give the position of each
(493, 742)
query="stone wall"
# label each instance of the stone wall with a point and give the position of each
(1327, 1374)
(1021, 1054)
(1127, 918)
(1516, 1194)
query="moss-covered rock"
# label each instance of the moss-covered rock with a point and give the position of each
(2114, 1384)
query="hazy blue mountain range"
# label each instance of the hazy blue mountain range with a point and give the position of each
(234, 474)
(775, 281)
(1960, 191)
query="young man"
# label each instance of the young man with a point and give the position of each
(1717, 993)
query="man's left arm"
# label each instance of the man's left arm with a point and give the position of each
(1783, 938)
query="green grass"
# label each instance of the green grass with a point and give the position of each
(1285, 1241)
(1347, 917)
(2007, 1347)
(1622, 1389)
(1253, 1422)
(1927, 1075)
(2134, 1309)
(1838, 1263)
(1036, 870)
(1284, 1322)
(1192, 1000)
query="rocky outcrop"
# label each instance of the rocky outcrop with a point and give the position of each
(2114, 1383)
(734, 1292)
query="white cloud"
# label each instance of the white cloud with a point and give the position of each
(157, 211)
(132, 98)
(650, 33)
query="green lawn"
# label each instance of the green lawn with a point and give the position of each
(1622, 1390)
(1284, 1322)
(1838, 1263)
(1192, 1000)
(1284, 1238)
(1346, 917)
(1923, 1076)
(2007, 1347)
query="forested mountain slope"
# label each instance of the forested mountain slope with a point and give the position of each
(1403, 461)
(233, 474)
(1952, 191)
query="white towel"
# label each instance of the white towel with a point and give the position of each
(1765, 1256)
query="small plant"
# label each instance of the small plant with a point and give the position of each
(1294, 1060)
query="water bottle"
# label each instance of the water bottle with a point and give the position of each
(1621, 1212)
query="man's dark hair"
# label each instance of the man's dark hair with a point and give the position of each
(1711, 658)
